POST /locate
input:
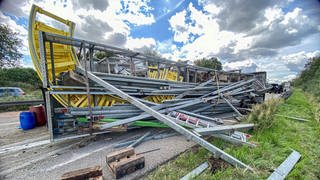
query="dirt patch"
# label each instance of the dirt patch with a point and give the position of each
(217, 164)
(10, 133)
(195, 148)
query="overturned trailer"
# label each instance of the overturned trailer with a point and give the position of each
(85, 95)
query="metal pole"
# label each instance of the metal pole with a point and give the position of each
(170, 122)
(220, 129)
(178, 73)
(158, 70)
(91, 66)
(87, 85)
(45, 82)
(52, 64)
(188, 75)
(138, 141)
(146, 63)
(189, 92)
(49, 114)
(44, 69)
(196, 171)
(231, 105)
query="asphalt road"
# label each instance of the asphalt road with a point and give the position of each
(50, 161)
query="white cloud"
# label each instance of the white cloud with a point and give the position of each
(18, 8)
(253, 50)
(22, 32)
(200, 34)
(242, 34)
(179, 27)
(135, 12)
(279, 68)
(140, 44)
(212, 9)
(246, 66)
(168, 50)
(296, 61)
(99, 21)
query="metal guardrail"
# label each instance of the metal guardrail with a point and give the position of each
(18, 103)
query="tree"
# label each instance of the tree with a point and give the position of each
(9, 47)
(212, 63)
(309, 78)
(152, 52)
(102, 54)
(18, 74)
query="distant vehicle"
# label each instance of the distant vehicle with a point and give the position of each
(11, 91)
(276, 88)
(287, 86)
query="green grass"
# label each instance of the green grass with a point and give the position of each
(275, 144)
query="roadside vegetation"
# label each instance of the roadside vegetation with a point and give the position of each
(275, 136)
(275, 141)
(309, 79)
(24, 78)
(11, 74)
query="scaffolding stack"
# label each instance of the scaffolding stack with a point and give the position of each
(125, 89)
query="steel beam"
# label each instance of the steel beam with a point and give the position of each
(231, 105)
(220, 129)
(286, 166)
(138, 141)
(196, 171)
(189, 135)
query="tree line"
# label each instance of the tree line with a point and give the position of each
(309, 78)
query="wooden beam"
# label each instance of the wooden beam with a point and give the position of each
(85, 173)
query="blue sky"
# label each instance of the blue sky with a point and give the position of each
(273, 36)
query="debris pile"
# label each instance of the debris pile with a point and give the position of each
(126, 89)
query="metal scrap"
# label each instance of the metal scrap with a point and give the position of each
(285, 167)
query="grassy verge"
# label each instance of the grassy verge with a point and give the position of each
(275, 144)
(30, 95)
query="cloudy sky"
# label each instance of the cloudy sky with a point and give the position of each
(253, 35)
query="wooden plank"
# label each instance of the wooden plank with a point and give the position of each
(85, 173)
(117, 155)
(126, 165)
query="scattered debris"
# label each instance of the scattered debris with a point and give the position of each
(220, 129)
(294, 118)
(140, 140)
(148, 151)
(131, 90)
(124, 161)
(154, 137)
(285, 167)
(233, 140)
(196, 171)
(86, 173)
(286, 94)
(216, 164)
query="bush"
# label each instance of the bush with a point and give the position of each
(25, 75)
(309, 79)
(25, 78)
(262, 114)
